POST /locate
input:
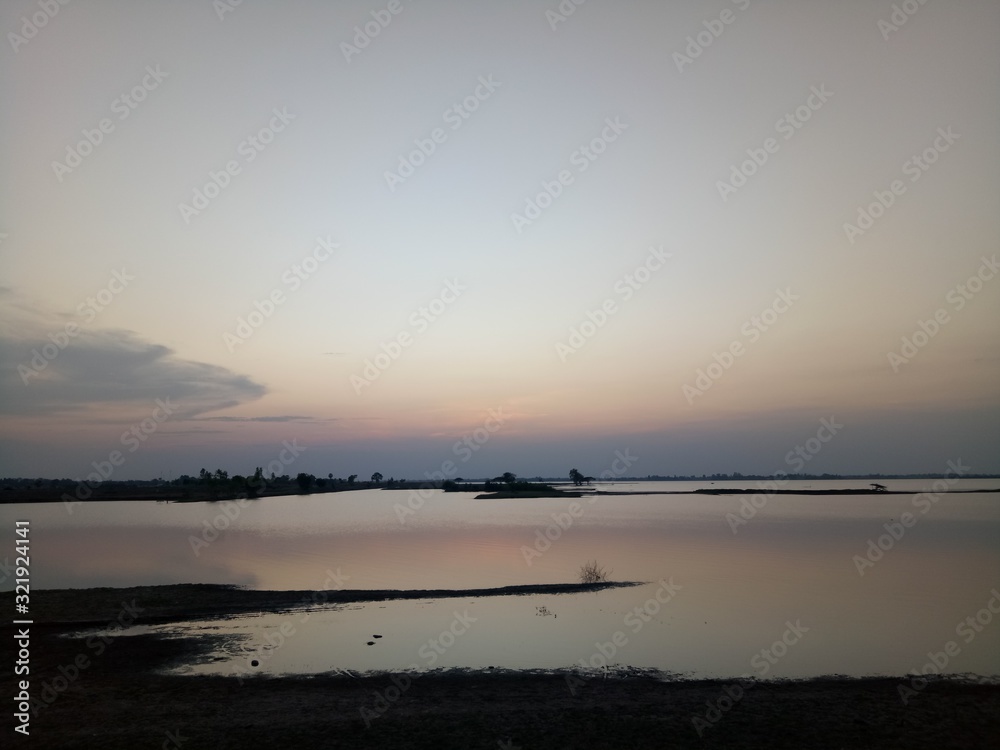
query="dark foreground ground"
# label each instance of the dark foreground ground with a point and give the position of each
(116, 701)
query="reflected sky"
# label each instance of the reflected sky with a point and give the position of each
(795, 559)
(454, 541)
(691, 629)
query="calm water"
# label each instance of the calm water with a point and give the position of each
(716, 601)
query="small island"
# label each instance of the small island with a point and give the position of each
(506, 486)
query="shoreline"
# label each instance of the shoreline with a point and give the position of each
(195, 601)
(118, 695)
(577, 492)
(745, 491)
(121, 700)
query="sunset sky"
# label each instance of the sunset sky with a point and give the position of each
(576, 221)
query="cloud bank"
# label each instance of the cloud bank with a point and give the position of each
(50, 365)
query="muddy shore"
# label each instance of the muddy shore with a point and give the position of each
(171, 603)
(120, 700)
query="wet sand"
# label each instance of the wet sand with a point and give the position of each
(119, 701)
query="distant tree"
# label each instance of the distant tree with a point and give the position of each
(221, 475)
(577, 477)
(256, 483)
(509, 478)
(321, 482)
(350, 479)
(376, 478)
(304, 480)
(330, 476)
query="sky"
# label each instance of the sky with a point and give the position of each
(462, 238)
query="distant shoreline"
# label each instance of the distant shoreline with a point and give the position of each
(743, 491)
(171, 495)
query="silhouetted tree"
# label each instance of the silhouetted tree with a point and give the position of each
(577, 477)
(304, 480)
(350, 479)
(376, 478)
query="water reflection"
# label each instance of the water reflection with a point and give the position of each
(690, 633)
(794, 560)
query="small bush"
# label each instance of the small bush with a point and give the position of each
(591, 572)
